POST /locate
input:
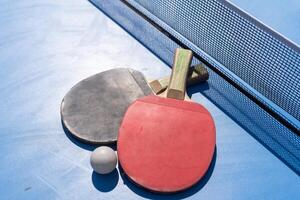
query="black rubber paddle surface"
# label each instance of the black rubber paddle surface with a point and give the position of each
(94, 108)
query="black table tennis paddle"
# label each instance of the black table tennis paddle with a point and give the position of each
(93, 109)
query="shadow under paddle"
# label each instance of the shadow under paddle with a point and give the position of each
(89, 147)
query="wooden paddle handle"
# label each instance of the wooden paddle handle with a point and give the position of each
(177, 84)
(196, 74)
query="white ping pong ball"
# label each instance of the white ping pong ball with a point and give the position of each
(103, 160)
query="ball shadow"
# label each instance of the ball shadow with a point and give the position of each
(106, 182)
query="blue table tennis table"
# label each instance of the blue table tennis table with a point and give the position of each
(48, 46)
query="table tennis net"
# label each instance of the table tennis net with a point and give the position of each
(250, 52)
(259, 69)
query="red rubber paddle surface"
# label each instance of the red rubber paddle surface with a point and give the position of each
(166, 145)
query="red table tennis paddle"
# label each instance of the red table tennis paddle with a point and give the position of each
(167, 144)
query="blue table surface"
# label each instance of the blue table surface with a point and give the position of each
(48, 46)
(281, 16)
